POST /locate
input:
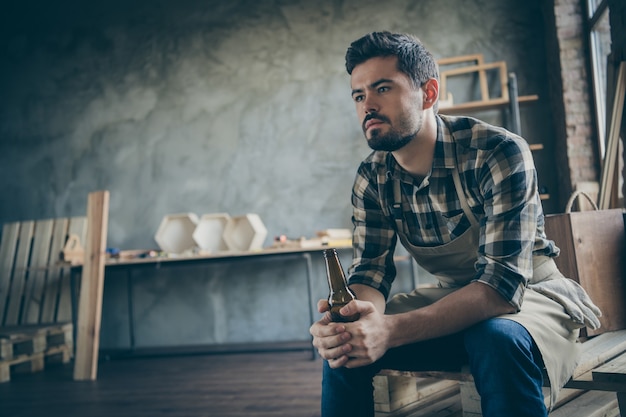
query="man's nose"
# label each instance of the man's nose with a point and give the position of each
(370, 105)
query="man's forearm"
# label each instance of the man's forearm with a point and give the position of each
(457, 311)
(367, 293)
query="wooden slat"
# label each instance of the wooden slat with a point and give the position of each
(613, 371)
(37, 271)
(494, 103)
(91, 287)
(8, 245)
(609, 166)
(476, 58)
(77, 226)
(590, 404)
(20, 272)
(600, 349)
(55, 271)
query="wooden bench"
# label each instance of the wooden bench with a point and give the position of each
(602, 368)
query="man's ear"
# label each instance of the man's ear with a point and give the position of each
(431, 93)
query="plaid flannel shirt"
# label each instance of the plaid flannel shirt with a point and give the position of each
(500, 181)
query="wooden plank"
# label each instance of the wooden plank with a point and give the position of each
(600, 349)
(494, 103)
(470, 399)
(474, 68)
(610, 164)
(55, 272)
(20, 273)
(8, 245)
(475, 58)
(453, 376)
(590, 404)
(91, 287)
(34, 286)
(77, 226)
(613, 371)
(592, 247)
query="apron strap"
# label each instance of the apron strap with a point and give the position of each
(461, 194)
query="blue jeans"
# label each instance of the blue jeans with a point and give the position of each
(503, 358)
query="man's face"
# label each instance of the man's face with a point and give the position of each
(388, 105)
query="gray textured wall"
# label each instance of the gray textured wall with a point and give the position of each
(212, 107)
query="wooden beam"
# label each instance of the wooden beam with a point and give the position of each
(610, 164)
(91, 287)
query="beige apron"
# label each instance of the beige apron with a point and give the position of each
(551, 327)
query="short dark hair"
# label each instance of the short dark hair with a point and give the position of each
(413, 58)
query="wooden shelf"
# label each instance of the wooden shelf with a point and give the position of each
(495, 103)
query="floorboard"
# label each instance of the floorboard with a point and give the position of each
(283, 384)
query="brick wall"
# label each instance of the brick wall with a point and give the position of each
(575, 148)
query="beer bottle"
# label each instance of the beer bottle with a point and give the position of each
(339, 294)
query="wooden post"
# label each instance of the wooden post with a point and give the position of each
(91, 287)
(610, 164)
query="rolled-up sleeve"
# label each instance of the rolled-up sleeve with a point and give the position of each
(374, 238)
(508, 184)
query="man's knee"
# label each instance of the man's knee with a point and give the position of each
(497, 336)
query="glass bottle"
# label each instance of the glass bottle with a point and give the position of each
(339, 293)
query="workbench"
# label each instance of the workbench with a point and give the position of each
(130, 266)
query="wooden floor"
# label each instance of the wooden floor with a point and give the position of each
(278, 384)
(225, 385)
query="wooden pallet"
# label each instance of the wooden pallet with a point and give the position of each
(392, 393)
(34, 283)
(28, 348)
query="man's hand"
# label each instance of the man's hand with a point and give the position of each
(330, 338)
(369, 335)
(352, 344)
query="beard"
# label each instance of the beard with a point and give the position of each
(394, 139)
(391, 141)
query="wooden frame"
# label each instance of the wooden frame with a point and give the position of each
(475, 64)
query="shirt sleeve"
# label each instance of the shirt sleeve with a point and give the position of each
(374, 238)
(508, 182)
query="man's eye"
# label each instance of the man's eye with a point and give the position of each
(383, 89)
(358, 98)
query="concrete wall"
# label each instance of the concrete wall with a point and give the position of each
(212, 107)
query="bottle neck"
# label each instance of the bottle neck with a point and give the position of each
(334, 271)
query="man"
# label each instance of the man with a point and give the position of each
(461, 196)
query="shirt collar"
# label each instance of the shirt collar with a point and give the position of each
(443, 158)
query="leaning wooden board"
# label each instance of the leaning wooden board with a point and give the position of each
(34, 283)
(592, 245)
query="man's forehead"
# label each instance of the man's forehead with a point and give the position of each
(374, 70)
